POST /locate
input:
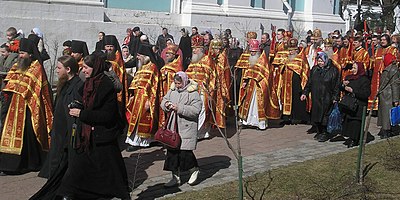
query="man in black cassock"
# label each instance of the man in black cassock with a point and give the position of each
(67, 92)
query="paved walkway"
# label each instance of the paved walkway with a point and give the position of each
(261, 150)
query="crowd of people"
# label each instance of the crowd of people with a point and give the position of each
(190, 87)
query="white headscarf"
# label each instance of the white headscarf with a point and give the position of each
(37, 32)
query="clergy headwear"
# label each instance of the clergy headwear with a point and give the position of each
(172, 49)
(251, 35)
(197, 41)
(216, 44)
(254, 45)
(317, 34)
(78, 46)
(67, 43)
(110, 40)
(328, 42)
(27, 45)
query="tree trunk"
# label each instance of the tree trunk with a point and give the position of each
(388, 14)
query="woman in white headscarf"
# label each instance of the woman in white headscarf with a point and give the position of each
(184, 102)
(39, 33)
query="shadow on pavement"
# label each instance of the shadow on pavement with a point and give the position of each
(137, 163)
(157, 191)
(208, 167)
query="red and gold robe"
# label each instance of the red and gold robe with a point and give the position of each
(167, 73)
(336, 60)
(377, 67)
(31, 91)
(346, 57)
(223, 85)
(298, 65)
(203, 73)
(361, 55)
(257, 78)
(278, 65)
(145, 88)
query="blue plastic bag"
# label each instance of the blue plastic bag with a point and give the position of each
(395, 116)
(334, 121)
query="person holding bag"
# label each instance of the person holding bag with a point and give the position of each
(184, 104)
(389, 95)
(358, 86)
(323, 84)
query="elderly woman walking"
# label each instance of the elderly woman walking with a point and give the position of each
(183, 102)
(323, 84)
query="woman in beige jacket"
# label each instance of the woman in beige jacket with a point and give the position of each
(183, 101)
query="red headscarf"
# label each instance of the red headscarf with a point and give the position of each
(360, 72)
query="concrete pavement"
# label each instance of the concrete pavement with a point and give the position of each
(261, 150)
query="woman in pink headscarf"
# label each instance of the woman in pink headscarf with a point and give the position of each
(184, 103)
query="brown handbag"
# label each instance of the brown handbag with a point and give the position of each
(169, 137)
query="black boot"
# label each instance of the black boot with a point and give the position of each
(324, 137)
(312, 130)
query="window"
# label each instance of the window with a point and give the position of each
(257, 3)
(297, 5)
(154, 5)
(336, 7)
(220, 2)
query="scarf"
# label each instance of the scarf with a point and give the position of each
(360, 72)
(185, 80)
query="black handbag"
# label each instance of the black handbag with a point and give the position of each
(348, 104)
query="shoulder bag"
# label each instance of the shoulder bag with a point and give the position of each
(169, 137)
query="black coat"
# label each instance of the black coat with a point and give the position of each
(62, 125)
(185, 44)
(99, 45)
(102, 165)
(352, 121)
(134, 44)
(361, 90)
(323, 84)
(104, 116)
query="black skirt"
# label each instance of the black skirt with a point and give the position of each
(180, 160)
(99, 173)
(299, 108)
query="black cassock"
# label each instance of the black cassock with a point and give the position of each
(323, 84)
(62, 125)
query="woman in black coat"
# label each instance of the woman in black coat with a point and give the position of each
(357, 85)
(323, 84)
(97, 170)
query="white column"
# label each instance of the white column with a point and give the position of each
(308, 15)
(186, 13)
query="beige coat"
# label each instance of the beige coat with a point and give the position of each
(189, 106)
